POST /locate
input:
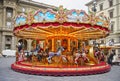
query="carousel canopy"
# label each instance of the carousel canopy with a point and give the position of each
(62, 23)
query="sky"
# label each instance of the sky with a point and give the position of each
(69, 4)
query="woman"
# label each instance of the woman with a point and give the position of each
(110, 58)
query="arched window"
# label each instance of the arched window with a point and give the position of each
(8, 24)
(9, 12)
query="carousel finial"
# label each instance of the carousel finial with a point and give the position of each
(30, 16)
(61, 15)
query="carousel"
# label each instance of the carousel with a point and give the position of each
(65, 36)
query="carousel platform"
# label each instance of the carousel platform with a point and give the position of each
(51, 70)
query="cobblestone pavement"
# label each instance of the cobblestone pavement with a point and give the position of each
(6, 74)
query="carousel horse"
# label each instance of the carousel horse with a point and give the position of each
(52, 54)
(34, 60)
(82, 56)
(35, 52)
(97, 54)
(42, 55)
(39, 52)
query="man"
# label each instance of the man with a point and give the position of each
(19, 46)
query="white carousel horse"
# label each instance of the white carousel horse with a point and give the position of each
(80, 55)
(51, 54)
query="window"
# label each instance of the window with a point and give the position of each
(112, 27)
(111, 14)
(119, 39)
(9, 12)
(8, 39)
(110, 3)
(7, 46)
(9, 24)
(101, 6)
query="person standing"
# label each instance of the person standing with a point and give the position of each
(110, 58)
(19, 46)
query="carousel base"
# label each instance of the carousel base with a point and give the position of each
(60, 70)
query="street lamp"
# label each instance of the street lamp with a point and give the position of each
(94, 6)
(94, 10)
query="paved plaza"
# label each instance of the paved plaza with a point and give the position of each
(6, 74)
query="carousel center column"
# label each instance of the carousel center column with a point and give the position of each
(29, 44)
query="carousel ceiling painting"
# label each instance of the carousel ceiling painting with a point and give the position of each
(76, 23)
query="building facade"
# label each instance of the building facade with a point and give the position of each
(8, 10)
(111, 8)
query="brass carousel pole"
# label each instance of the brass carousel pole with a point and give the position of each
(23, 44)
(46, 44)
(35, 43)
(77, 43)
(68, 44)
(53, 44)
